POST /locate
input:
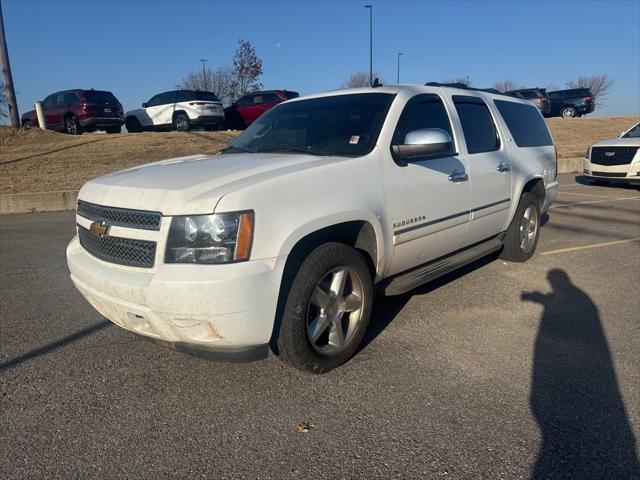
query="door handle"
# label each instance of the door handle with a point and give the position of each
(503, 167)
(458, 176)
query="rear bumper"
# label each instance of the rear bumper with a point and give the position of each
(585, 108)
(208, 120)
(101, 122)
(551, 192)
(217, 311)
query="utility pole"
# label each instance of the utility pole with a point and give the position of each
(398, 81)
(9, 91)
(370, 7)
(204, 74)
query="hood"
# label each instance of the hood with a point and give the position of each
(194, 184)
(618, 142)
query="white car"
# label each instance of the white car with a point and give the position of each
(282, 239)
(177, 110)
(617, 159)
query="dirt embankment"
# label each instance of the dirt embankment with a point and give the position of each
(39, 161)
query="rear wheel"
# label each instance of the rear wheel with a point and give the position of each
(327, 309)
(27, 125)
(521, 239)
(72, 125)
(181, 122)
(133, 125)
(568, 112)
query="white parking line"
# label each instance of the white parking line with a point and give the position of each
(586, 194)
(593, 201)
(593, 245)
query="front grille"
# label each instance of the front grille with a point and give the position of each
(612, 155)
(120, 217)
(608, 174)
(123, 251)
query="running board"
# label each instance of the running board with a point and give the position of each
(406, 281)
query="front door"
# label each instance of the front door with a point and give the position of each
(160, 109)
(428, 198)
(489, 169)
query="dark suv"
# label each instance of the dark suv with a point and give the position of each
(538, 96)
(77, 111)
(249, 107)
(570, 103)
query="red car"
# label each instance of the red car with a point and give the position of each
(77, 111)
(249, 107)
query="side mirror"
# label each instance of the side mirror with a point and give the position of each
(422, 143)
(145, 104)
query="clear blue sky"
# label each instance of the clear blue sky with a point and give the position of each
(139, 48)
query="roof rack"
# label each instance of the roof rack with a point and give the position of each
(463, 87)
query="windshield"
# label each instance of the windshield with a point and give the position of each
(633, 133)
(341, 125)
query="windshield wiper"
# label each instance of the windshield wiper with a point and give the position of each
(286, 148)
(234, 149)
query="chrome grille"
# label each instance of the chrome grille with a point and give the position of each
(123, 251)
(612, 155)
(120, 217)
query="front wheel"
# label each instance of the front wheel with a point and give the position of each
(522, 236)
(72, 125)
(327, 309)
(181, 123)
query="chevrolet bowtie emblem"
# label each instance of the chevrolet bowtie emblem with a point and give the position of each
(609, 154)
(99, 229)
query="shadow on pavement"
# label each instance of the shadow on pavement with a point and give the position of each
(575, 396)
(54, 345)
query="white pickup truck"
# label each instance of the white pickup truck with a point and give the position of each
(283, 239)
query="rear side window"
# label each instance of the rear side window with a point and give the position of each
(477, 124)
(269, 98)
(525, 124)
(97, 96)
(245, 101)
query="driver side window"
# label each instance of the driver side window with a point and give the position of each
(428, 111)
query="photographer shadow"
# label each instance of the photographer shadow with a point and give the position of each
(575, 397)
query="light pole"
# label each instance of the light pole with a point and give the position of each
(370, 7)
(399, 54)
(204, 75)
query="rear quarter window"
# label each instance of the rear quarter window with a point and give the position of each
(525, 123)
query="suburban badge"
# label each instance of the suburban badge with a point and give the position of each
(99, 229)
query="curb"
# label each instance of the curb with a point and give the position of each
(66, 200)
(38, 202)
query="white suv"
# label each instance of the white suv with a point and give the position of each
(283, 238)
(178, 110)
(617, 159)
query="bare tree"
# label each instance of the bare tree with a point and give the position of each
(359, 79)
(219, 81)
(600, 85)
(247, 68)
(506, 85)
(463, 80)
(552, 87)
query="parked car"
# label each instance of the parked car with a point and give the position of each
(574, 102)
(177, 110)
(284, 237)
(538, 96)
(617, 159)
(249, 107)
(77, 111)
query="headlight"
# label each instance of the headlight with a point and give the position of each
(218, 238)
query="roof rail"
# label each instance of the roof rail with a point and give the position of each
(463, 86)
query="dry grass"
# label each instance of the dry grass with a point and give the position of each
(39, 161)
(573, 136)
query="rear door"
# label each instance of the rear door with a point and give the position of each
(428, 198)
(487, 157)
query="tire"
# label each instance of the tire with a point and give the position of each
(132, 125)
(27, 125)
(72, 125)
(568, 112)
(181, 122)
(327, 310)
(522, 236)
(113, 130)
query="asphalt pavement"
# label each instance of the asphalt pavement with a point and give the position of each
(502, 370)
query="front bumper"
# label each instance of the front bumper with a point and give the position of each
(227, 311)
(613, 173)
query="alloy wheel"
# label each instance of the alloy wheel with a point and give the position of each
(528, 229)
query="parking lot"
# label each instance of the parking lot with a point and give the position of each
(501, 370)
